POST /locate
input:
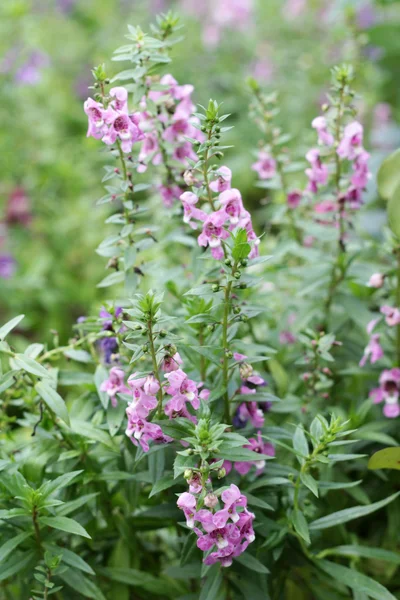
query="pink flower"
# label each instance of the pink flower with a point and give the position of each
(114, 384)
(376, 280)
(169, 194)
(372, 350)
(265, 166)
(318, 174)
(18, 208)
(324, 137)
(231, 203)
(249, 411)
(189, 200)
(149, 148)
(351, 143)
(257, 445)
(120, 102)
(388, 392)
(184, 151)
(223, 181)
(392, 315)
(286, 338)
(96, 114)
(325, 206)
(182, 389)
(187, 502)
(171, 363)
(293, 199)
(126, 128)
(213, 232)
(142, 432)
(239, 357)
(361, 172)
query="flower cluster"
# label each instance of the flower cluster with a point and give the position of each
(228, 215)
(252, 411)
(349, 148)
(258, 445)
(166, 132)
(229, 530)
(139, 429)
(113, 123)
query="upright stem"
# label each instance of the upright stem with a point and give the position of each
(338, 270)
(225, 366)
(203, 367)
(205, 175)
(398, 305)
(36, 528)
(155, 366)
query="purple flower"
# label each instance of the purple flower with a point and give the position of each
(293, 199)
(187, 502)
(223, 181)
(318, 174)
(351, 143)
(265, 165)
(324, 137)
(8, 266)
(388, 392)
(114, 384)
(257, 445)
(373, 350)
(392, 315)
(18, 208)
(231, 202)
(30, 73)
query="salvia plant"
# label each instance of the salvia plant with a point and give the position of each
(191, 440)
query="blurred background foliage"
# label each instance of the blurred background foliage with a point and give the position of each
(49, 224)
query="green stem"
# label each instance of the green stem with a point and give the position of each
(36, 528)
(155, 366)
(225, 366)
(203, 367)
(205, 175)
(398, 305)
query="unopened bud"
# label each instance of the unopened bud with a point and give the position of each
(221, 473)
(211, 501)
(188, 474)
(189, 178)
(215, 287)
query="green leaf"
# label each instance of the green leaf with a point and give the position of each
(74, 560)
(10, 545)
(162, 484)
(82, 585)
(72, 505)
(65, 524)
(78, 355)
(30, 365)
(100, 375)
(211, 587)
(356, 581)
(53, 400)
(115, 416)
(300, 443)
(388, 458)
(15, 564)
(365, 552)
(349, 514)
(300, 524)
(157, 585)
(310, 483)
(112, 279)
(59, 482)
(5, 330)
(393, 211)
(388, 177)
(251, 562)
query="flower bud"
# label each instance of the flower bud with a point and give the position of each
(188, 474)
(376, 280)
(211, 501)
(215, 287)
(189, 178)
(237, 274)
(221, 473)
(162, 333)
